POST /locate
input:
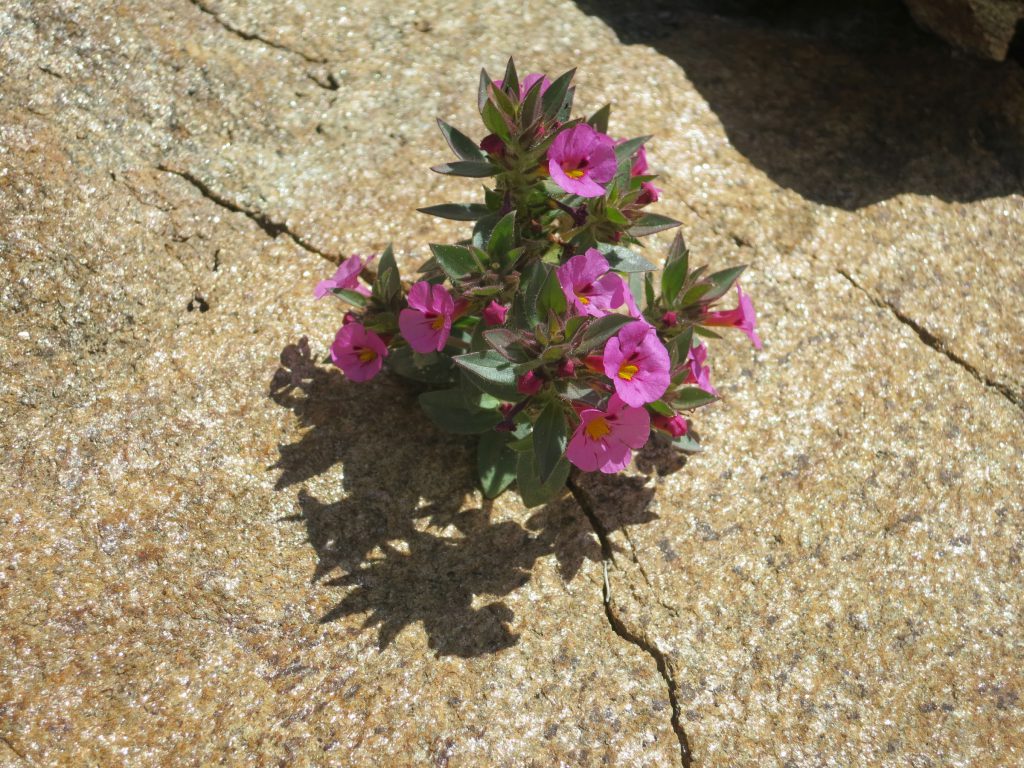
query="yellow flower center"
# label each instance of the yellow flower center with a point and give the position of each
(627, 372)
(366, 355)
(597, 429)
(574, 174)
(582, 299)
(437, 322)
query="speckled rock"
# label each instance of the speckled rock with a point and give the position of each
(215, 551)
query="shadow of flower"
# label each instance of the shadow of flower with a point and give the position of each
(402, 543)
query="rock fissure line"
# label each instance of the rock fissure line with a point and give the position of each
(254, 36)
(14, 749)
(627, 634)
(937, 344)
(264, 222)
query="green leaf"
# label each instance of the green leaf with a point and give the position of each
(650, 223)
(626, 149)
(687, 444)
(564, 112)
(599, 120)
(428, 369)
(482, 89)
(550, 438)
(661, 408)
(491, 372)
(505, 343)
(674, 274)
(463, 146)
(557, 352)
(622, 259)
(530, 288)
(495, 462)
(495, 121)
(456, 211)
(352, 297)
(456, 260)
(554, 96)
(615, 216)
(511, 78)
(388, 283)
(694, 294)
(531, 489)
(602, 329)
(530, 112)
(722, 281)
(649, 290)
(692, 397)
(448, 409)
(679, 347)
(551, 296)
(707, 333)
(483, 228)
(471, 168)
(502, 237)
(503, 102)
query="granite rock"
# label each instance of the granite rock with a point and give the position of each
(216, 550)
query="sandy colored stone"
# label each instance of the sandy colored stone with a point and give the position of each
(199, 565)
(834, 581)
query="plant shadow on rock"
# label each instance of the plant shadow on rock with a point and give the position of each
(401, 543)
(846, 103)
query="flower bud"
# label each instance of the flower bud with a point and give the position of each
(669, 318)
(674, 425)
(567, 368)
(349, 317)
(493, 145)
(494, 314)
(529, 383)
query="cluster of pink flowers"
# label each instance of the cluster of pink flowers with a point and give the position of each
(544, 333)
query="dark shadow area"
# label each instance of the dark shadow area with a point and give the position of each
(846, 102)
(402, 543)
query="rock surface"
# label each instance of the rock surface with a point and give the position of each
(214, 552)
(982, 27)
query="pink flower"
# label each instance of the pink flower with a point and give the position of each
(591, 287)
(700, 374)
(581, 159)
(605, 440)
(358, 352)
(675, 425)
(346, 276)
(494, 314)
(427, 323)
(637, 363)
(742, 317)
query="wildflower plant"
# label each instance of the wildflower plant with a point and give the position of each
(545, 332)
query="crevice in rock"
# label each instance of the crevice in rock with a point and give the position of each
(14, 749)
(626, 633)
(264, 222)
(937, 344)
(245, 35)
